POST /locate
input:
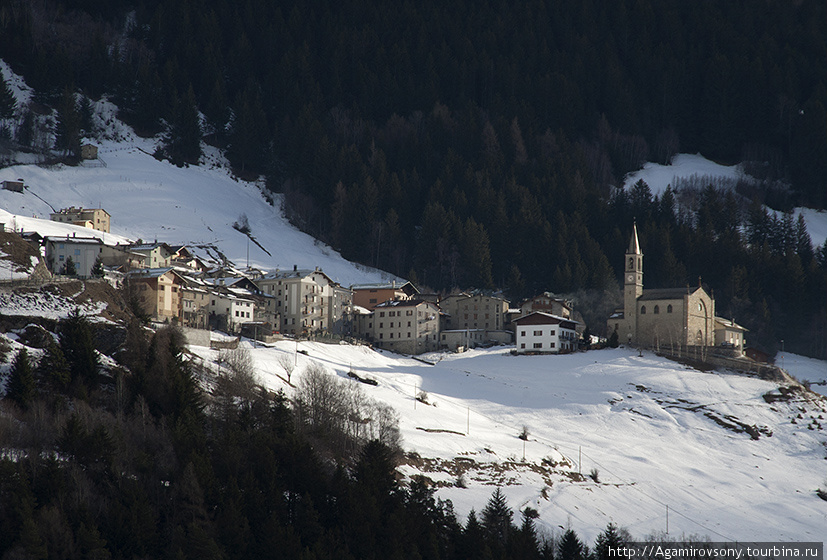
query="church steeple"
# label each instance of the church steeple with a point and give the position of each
(632, 283)
(634, 244)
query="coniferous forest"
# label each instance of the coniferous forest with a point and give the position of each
(483, 144)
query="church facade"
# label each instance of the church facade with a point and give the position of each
(671, 317)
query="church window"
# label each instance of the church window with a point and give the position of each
(643, 310)
(669, 308)
(657, 310)
(631, 263)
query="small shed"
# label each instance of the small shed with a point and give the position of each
(15, 186)
(88, 151)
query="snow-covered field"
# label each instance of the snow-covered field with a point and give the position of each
(658, 433)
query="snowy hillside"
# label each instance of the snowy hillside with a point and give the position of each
(658, 177)
(658, 433)
(151, 200)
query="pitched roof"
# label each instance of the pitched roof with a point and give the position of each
(666, 293)
(634, 244)
(541, 318)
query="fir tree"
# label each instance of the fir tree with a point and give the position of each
(54, 367)
(21, 385)
(97, 269)
(496, 518)
(571, 547)
(78, 345)
(610, 539)
(68, 268)
(8, 103)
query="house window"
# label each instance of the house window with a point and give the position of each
(538, 333)
(409, 334)
(669, 308)
(552, 333)
(236, 313)
(391, 324)
(409, 323)
(522, 345)
(552, 345)
(409, 313)
(657, 310)
(538, 345)
(643, 310)
(522, 333)
(381, 313)
(381, 335)
(391, 335)
(381, 325)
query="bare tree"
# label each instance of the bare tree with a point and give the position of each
(288, 364)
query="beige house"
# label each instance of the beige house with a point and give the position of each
(98, 217)
(308, 301)
(474, 311)
(729, 334)
(406, 326)
(672, 317)
(159, 292)
(158, 255)
(547, 303)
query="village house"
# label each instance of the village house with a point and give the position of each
(120, 257)
(195, 304)
(158, 255)
(730, 335)
(182, 257)
(475, 312)
(406, 326)
(159, 292)
(540, 332)
(547, 303)
(239, 286)
(459, 340)
(229, 311)
(672, 318)
(88, 151)
(83, 252)
(371, 295)
(308, 301)
(94, 218)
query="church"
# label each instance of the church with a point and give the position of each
(671, 317)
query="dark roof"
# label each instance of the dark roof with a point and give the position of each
(666, 293)
(404, 303)
(540, 318)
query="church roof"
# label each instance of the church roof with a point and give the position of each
(666, 293)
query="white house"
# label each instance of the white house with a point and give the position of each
(541, 332)
(83, 251)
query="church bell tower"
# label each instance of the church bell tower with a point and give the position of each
(632, 286)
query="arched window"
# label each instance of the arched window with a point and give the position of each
(657, 310)
(643, 310)
(669, 308)
(631, 263)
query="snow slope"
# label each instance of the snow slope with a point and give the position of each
(659, 434)
(658, 177)
(151, 200)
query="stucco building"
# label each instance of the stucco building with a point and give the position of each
(671, 317)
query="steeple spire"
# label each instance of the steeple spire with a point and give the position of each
(634, 245)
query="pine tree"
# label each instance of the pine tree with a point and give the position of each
(8, 103)
(21, 386)
(68, 124)
(183, 142)
(68, 268)
(496, 519)
(78, 345)
(571, 547)
(54, 367)
(610, 539)
(97, 269)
